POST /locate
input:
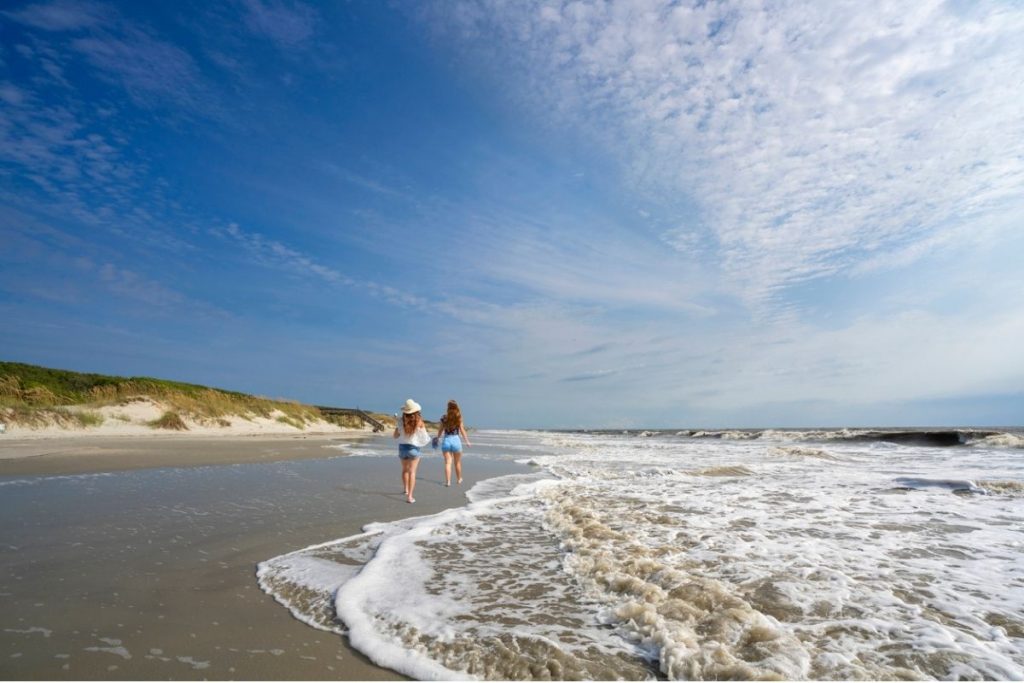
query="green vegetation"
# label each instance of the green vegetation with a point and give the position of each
(35, 396)
(351, 421)
(169, 420)
(290, 421)
(30, 416)
(89, 418)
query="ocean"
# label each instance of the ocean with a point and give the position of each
(747, 554)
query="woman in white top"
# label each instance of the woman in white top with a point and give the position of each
(411, 434)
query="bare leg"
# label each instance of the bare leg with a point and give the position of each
(447, 468)
(458, 465)
(413, 466)
(405, 477)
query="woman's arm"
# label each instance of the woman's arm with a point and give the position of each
(465, 437)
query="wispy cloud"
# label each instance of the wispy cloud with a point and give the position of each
(288, 24)
(588, 376)
(269, 252)
(272, 253)
(148, 68)
(55, 151)
(813, 136)
(46, 262)
(62, 15)
(133, 285)
(152, 71)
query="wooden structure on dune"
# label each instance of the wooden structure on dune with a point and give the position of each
(361, 414)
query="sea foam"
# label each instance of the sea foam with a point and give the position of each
(630, 556)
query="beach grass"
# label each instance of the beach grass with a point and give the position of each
(352, 421)
(89, 418)
(169, 420)
(34, 396)
(32, 416)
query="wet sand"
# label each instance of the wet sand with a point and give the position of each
(149, 573)
(81, 454)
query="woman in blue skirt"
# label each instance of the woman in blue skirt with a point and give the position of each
(412, 435)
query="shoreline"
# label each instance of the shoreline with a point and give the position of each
(156, 567)
(48, 455)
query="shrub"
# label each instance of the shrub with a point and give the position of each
(10, 387)
(169, 420)
(89, 418)
(39, 396)
(291, 421)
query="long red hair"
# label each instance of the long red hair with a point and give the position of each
(453, 418)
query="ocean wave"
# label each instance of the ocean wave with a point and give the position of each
(696, 627)
(627, 566)
(1001, 440)
(802, 452)
(1005, 487)
(954, 485)
(732, 434)
(723, 471)
(941, 438)
(476, 591)
(45, 479)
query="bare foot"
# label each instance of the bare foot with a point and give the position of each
(410, 499)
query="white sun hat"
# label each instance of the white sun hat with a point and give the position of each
(411, 406)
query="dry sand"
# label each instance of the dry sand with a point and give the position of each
(149, 573)
(133, 417)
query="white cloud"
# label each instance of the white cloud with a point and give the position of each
(61, 15)
(271, 253)
(813, 135)
(287, 24)
(147, 67)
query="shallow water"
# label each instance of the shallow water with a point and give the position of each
(647, 556)
(148, 574)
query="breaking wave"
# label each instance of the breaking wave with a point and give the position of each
(803, 452)
(638, 557)
(939, 438)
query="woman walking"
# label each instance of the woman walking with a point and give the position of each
(452, 434)
(411, 434)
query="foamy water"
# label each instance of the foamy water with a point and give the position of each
(648, 555)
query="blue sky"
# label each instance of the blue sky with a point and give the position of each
(562, 214)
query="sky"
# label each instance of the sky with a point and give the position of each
(561, 214)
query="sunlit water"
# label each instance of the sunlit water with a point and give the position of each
(740, 555)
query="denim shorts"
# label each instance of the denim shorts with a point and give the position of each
(406, 451)
(452, 443)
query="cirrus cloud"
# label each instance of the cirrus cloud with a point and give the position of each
(813, 137)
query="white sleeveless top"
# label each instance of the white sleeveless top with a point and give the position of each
(418, 438)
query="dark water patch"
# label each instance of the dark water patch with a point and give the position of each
(932, 438)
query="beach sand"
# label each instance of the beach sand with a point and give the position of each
(134, 558)
(79, 454)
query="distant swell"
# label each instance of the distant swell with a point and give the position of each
(938, 438)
